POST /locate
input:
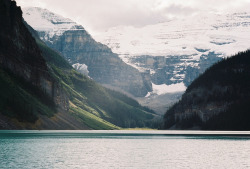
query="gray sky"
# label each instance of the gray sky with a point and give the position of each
(99, 15)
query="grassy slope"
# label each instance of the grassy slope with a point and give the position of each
(96, 106)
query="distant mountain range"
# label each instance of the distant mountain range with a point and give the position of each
(177, 51)
(40, 89)
(217, 100)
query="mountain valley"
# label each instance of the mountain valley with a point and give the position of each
(41, 90)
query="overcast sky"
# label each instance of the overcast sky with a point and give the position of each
(99, 15)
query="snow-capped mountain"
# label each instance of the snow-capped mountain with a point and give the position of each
(85, 54)
(48, 23)
(177, 51)
(226, 34)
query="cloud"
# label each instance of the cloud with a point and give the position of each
(99, 15)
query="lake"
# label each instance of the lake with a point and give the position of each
(124, 149)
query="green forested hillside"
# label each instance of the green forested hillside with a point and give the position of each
(217, 100)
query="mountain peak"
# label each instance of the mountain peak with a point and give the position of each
(49, 23)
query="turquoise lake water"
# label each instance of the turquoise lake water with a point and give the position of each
(123, 149)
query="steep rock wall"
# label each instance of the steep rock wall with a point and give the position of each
(20, 54)
(104, 66)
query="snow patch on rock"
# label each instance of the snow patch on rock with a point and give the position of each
(82, 68)
(164, 89)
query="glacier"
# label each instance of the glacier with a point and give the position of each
(179, 50)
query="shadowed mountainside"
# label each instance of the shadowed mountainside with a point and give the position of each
(217, 100)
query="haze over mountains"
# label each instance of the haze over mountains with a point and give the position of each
(169, 56)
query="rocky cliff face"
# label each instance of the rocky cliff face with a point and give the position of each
(178, 50)
(217, 100)
(104, 66)
(173, 69)
(78, 47)
(20, 54)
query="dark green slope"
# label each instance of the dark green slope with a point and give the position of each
(40, 90)
(217, 100)
(19, 99)
(21, 94)
(90, 98)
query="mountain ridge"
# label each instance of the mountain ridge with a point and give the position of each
(79, 48)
